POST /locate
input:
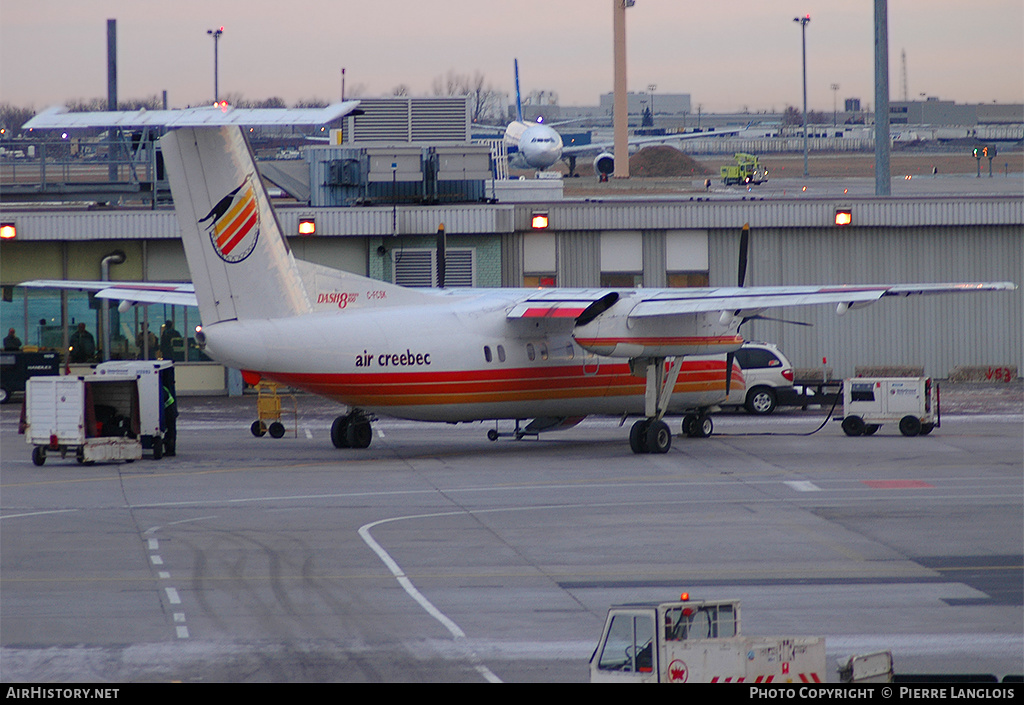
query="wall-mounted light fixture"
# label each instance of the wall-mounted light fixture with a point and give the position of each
(307, 226)
(8, 231)
(539, 221)
(844, 216)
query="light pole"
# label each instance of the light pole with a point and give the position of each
(835, 108)
(651, 87)
(215, 33)
(803, 34)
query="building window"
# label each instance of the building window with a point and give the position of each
(539, 281)
(685, 279)
(621, 280)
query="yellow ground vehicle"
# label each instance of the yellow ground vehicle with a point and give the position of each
(268, 409)
(747, 170)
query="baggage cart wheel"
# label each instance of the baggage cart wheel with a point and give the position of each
(926, 428)
(258, 428)
(853, 426)
(870, 428)
(38, 455)
(277, 429)
(910, 425)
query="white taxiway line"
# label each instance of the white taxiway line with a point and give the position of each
(415, 594)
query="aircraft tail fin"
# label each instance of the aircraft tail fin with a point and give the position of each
(519, 96)
(241, 265)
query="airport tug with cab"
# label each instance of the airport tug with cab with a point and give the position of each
(698, 642)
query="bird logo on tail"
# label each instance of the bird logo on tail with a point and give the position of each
(234, 223)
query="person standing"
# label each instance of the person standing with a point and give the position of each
(12, 343)
(83, 345)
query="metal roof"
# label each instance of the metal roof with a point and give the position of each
(77, 224)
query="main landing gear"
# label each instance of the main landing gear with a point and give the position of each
(652, 435)
(352, 430)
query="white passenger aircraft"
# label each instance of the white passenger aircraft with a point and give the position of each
(536, 145)
(550, 355)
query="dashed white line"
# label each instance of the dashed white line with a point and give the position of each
(803, 486)
(172, 596)
(156, 560)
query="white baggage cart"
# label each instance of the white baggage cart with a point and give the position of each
(93, 418)
(153, 375)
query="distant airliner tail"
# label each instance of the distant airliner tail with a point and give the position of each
(519, 96)
(241, 265)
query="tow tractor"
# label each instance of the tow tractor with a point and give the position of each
(698, 642)
(747, 170)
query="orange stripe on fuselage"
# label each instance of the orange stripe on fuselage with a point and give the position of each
(382, 389)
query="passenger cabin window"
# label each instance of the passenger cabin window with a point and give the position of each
(501, 353)
(487, 353)
(543, 351)
(708, 622)
(531, 352)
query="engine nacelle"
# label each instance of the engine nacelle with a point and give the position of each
(604, 165)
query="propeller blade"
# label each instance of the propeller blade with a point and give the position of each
(744, 244)
(778, 320)
(729, 357)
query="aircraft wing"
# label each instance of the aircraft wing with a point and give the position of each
(177, 294)
(562, 304)
(595, 147)
(60, 118)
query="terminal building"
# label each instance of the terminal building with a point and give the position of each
(496, 241)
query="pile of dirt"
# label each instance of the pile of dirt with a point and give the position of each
(663, 160)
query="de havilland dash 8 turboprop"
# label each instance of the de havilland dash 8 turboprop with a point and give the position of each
(452, 355)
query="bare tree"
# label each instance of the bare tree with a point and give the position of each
(401, 90)
(486, 100)
(12, 118)
(311, 103)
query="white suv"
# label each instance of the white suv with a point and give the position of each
(768, 375)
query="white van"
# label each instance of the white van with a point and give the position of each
(769, 379)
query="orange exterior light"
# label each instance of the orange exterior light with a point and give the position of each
(539, 221)
(8, 231)
(844, 216)
(307, 226)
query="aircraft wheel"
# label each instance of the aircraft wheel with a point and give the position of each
(658, 437)
(638, 436)
(492, 435)
(704, 427)
(854, 426)
(277, 429)
(359, 433)
(38, 455)
(689, 422)
(910, 425)
(926, 428)
(339, 435)
(258, 428)
(761, 400)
